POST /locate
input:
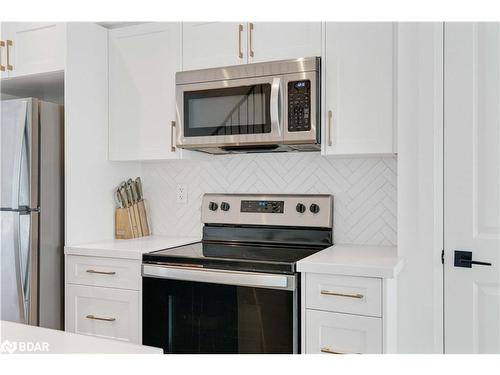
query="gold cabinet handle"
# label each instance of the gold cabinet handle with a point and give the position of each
(172, 134)
(328, 293)
(2, 67)
(330, 129)
(102, 272)
(240, 31)
(251, 39)
(329, 351)
(9, 44)
(93, 317)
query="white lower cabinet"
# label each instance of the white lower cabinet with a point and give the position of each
(348, 314)
(103, 312)
(335, 333)
(103, 297)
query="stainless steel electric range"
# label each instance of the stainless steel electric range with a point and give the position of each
(236, 291)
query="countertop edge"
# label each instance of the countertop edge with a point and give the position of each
(126, 249)
(384, 271)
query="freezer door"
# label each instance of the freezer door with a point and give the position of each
(17, 154)
(15, 245)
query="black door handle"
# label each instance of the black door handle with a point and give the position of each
(464, 259)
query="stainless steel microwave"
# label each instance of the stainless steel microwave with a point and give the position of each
(263, 107)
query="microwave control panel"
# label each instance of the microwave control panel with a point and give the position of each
(299, 106)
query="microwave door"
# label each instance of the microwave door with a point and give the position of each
(230, 113)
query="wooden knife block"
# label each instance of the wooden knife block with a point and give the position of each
(132, 221)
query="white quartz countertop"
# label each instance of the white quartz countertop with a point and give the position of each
(354, 260)
(21, 338)
(128, 249)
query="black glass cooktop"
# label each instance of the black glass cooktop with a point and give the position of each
(241, 257)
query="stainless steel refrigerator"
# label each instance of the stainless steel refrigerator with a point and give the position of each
(32, 212)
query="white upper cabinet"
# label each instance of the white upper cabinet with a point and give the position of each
(143, 60)
(32, 48)
(3, 52)
(359, 88)
(213, 44)
(283, 40)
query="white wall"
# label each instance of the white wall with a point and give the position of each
(420, 181)
(364, 189)
(89, 176)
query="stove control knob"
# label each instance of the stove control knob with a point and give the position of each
(212, 206)
(314, 208)
(224, 206)
(300, 208)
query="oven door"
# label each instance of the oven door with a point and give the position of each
(211, 311)
(230, 113)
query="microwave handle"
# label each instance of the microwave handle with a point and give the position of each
(275, 106)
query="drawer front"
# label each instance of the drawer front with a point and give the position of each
(107, 272)
(334, 333)
(353, 295)
(103, 312)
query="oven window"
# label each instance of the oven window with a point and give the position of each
(193, 317)
(227, 111)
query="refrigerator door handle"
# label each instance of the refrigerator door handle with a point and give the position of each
(19, 273)
(21, 133)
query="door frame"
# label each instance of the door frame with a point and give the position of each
(420, 64)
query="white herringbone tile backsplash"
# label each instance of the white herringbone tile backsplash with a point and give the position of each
(364, 190)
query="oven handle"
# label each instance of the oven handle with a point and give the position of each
(275, 106)
(204, 275)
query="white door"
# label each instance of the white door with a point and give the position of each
(34, 47)
(143, 60)
(213, 44)
(472, 186)
(269, 41)
(359, 88)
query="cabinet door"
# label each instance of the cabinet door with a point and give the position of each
(143, 60)
(103, 312)
(4, 73)
(283, 40)
(333, 333)
(213, 44)
(359, 88)
(35, 47)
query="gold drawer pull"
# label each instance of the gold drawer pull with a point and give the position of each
(328, 293)
(102, 272)
(326, 350)
(329, 351)
(98, 318)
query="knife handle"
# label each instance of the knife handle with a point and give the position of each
(138, 186)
